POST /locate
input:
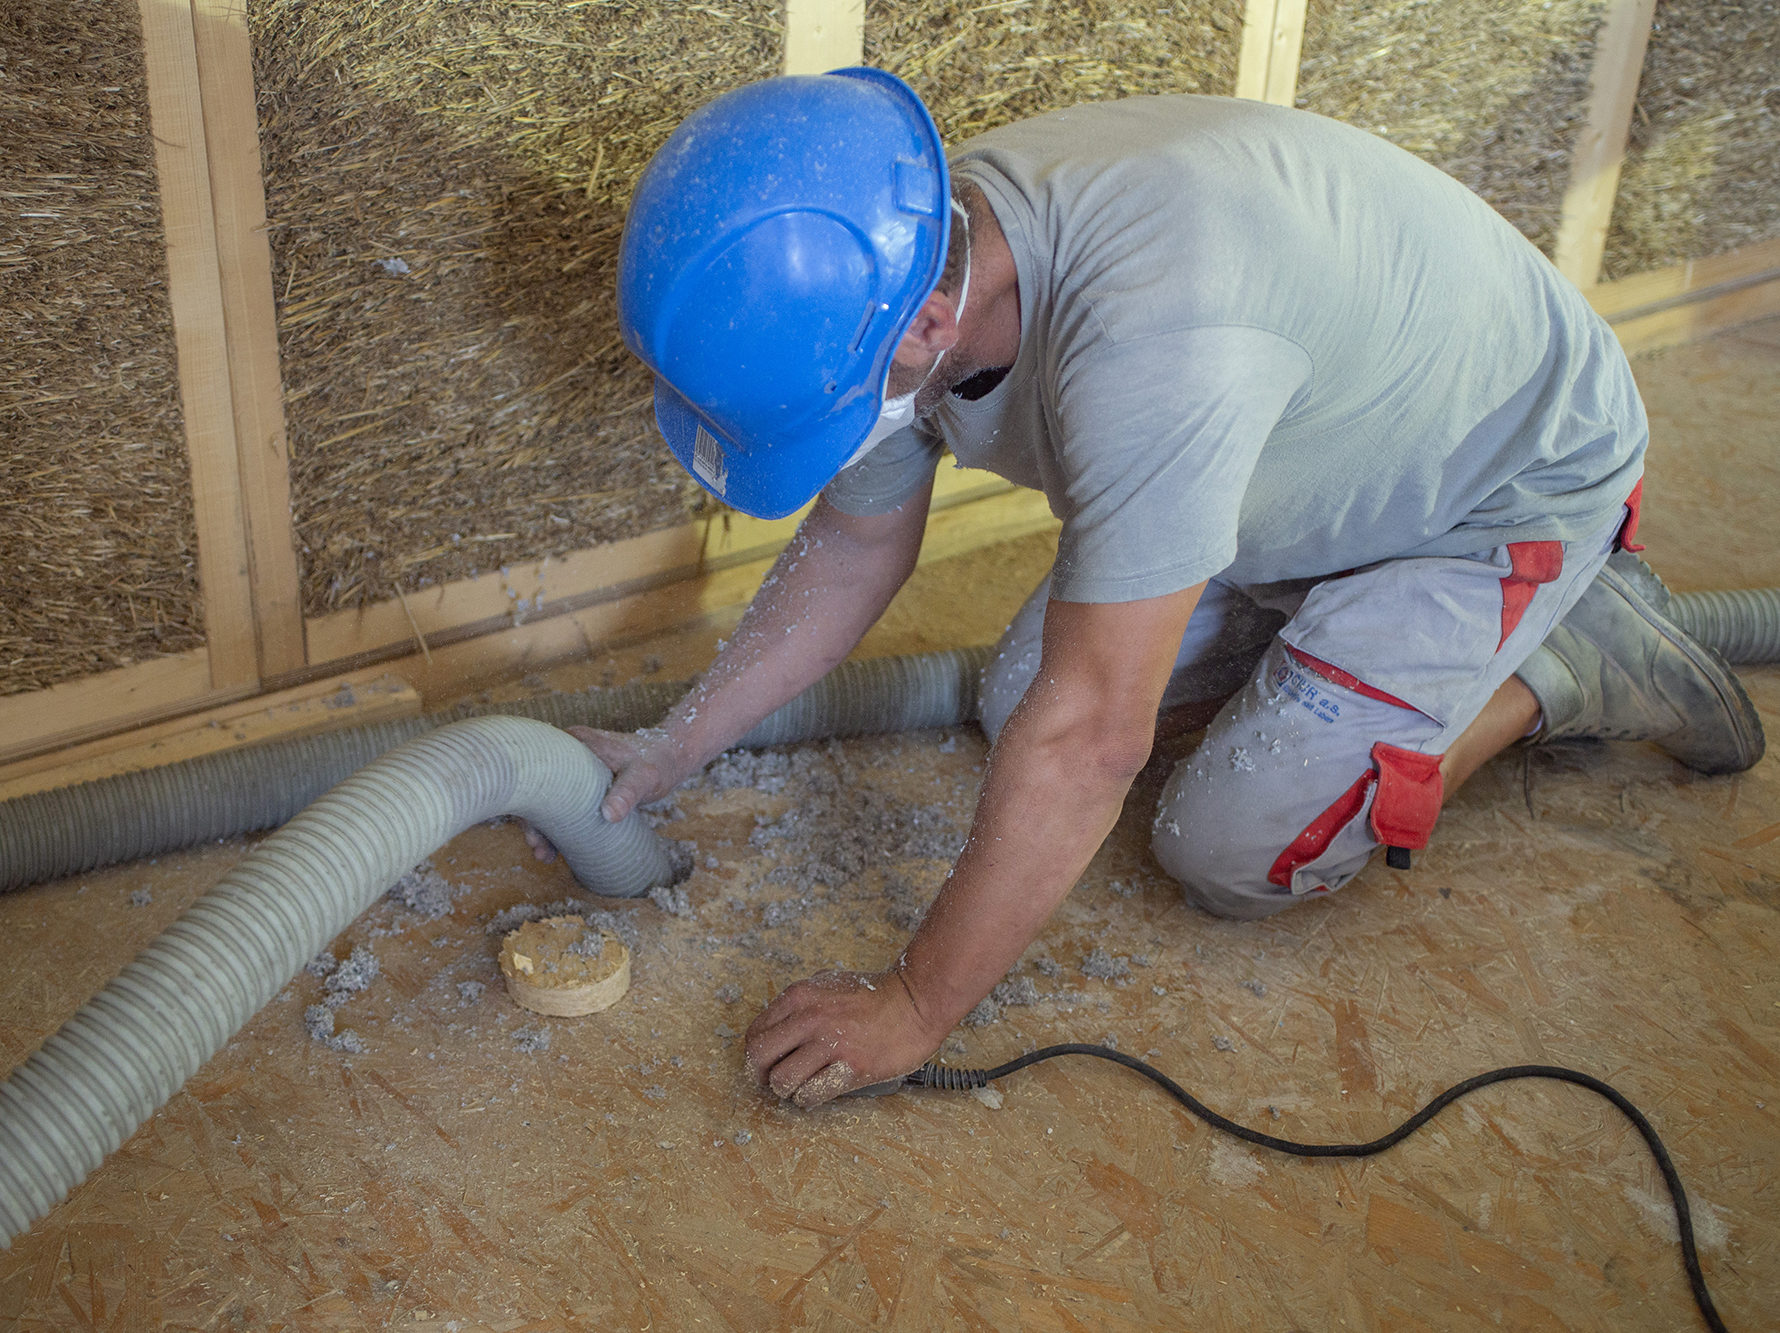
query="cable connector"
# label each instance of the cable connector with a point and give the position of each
(935, 1075)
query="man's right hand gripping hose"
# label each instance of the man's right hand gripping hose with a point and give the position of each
(644, 769)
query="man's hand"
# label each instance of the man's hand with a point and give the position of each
(836, 1032)
(826, 589)
(646, 765)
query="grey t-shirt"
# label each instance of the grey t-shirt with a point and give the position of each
(1263, 345)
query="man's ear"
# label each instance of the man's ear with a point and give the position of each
(933, 330)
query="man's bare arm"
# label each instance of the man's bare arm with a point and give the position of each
(825, 590)
(1056, 781)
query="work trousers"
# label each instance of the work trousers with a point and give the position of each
(1343, 694)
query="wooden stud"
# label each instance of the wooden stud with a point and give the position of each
(195, 294)
(238, 196)
(821, 35)
(1272, 46)
(1600, 148)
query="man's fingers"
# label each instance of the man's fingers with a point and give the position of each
(542, 850)
(777, 1010)
(632, 778)
(797, 1004)
(620, 800)
(776, 1032)
(826, 1085)
(629, 789)
(792, 1072)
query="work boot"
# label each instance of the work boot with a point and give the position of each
(1617, 668)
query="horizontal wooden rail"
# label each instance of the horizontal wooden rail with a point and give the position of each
(142, 697)
(538, 590)
(716, 598)
(342, 701)
(1692, 300)
(109, 701)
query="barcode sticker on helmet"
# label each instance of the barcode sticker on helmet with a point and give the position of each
(707, 461)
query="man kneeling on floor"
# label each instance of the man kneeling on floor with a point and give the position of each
(1344, 467)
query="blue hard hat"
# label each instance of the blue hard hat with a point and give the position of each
(777, 248)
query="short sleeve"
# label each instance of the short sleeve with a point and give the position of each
(1160, 436)
(888, 477)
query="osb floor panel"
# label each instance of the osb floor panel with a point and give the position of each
(1597, 907)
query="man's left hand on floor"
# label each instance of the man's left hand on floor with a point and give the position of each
(836, 1032)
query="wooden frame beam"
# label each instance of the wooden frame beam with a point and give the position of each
(691, 553)
(194, 291)
(720, 597)
(1587, 209)
(97, 705)
(821, 35)
(1272, 47)
(1694, 299)
(355, 700)
(244, 259)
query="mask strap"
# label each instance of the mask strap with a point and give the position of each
(964, 286)
(896, 413)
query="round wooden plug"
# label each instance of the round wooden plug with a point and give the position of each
(563, 967)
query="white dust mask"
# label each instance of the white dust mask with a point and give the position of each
(896, 413)
(900, 411)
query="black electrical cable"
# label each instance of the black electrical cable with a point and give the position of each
(934, 1075)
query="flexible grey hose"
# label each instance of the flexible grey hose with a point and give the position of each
(132, 1046)
(1742, 624)
(47, 835)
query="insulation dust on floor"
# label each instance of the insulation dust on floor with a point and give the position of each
(392, 1142)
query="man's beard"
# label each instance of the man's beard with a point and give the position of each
(953, 371)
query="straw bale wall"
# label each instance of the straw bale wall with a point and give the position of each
(1493, 92)
(1703, 172)
(981, 65)
(446, 183)
(96, 533)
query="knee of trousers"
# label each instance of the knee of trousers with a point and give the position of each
(1298, 781)
(1221, 833)
(1217, 845)
(1250, 836)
